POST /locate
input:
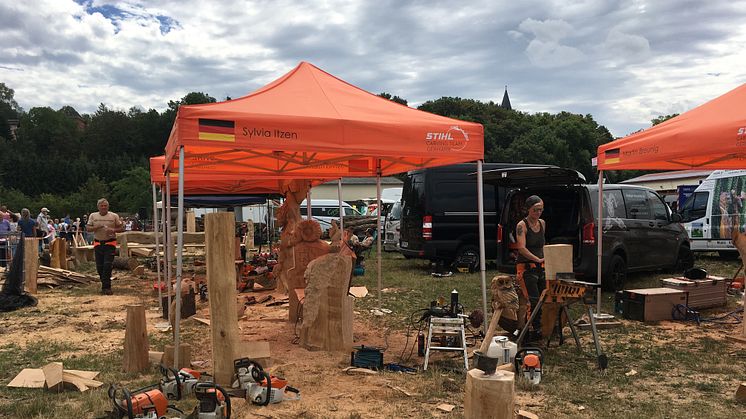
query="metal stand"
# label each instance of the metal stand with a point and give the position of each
(448, 327)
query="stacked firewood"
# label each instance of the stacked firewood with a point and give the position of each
(52, 277)
(359, 224)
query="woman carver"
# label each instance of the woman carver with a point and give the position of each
(530, 264)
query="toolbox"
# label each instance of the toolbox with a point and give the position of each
(651, 304)
(703, 293)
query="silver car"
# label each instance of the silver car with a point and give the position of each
(391, 239)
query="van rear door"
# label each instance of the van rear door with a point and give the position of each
(413, 211)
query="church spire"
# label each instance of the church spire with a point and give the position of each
(506, 100)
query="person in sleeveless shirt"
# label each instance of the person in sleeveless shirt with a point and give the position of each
(530, 240)
(105, 225)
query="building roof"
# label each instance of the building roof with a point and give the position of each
(677, 174)
(506, 100)
(389, 180)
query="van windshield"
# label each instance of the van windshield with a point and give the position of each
(395, 213)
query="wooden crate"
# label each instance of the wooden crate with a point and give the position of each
(651, 304)
(703, 293)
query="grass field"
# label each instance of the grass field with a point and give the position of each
(681, 370)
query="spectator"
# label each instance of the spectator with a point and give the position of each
(87, 236)
(4, 231)
(42, 225)
(14, 221)
(128, 224)
(26, 224)
(4, 213)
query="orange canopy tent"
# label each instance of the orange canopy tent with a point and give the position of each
(309, 124)
(711, 136)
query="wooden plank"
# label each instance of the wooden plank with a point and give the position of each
(220, 256)
(359, 292)
(81, 383)
(191, 222)
(34, 377)
(53, 376)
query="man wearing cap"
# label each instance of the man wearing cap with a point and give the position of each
(530, 264)
(105, 225)
(42, 224)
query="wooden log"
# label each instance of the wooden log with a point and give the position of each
(219, 255)
(185, 356)
(125, 263)
(53, 380)
(489, 396)
(557, 258)
(59, 254)
(327, 309)
(30, 263)
(191, 222)
(135, 340)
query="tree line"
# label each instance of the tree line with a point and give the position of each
(65, 161)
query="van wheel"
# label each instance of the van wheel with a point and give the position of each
(685, 260)
(617, 274)
(468, 253)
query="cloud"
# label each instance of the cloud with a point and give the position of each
(620, 61)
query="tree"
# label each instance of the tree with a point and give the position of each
(396, 99)
(662, 118)
(132, 192)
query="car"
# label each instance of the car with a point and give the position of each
(640, 233)
(391, 229)
(326, 210)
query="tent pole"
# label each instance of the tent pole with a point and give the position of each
(378, 229)
(308, 204)
(168, 239)
(482, 264)
(157, 256)
(341, 214)
(599, 238)
(179, 256)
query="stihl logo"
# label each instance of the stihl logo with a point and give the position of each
(439, 136)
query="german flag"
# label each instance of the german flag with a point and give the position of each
(217, 130)
(611, 156)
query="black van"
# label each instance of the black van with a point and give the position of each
(640, 232)
(439, 219)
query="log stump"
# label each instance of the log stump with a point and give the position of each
(136, 340)
(489, 396)
(30, 264)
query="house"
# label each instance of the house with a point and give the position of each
(354, 189)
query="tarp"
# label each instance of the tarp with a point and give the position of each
(310, 124)
(711, 136)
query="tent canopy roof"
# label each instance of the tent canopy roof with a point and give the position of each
(711, 136)
(309, 124)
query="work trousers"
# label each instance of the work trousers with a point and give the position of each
(532, 281)
(104, 260)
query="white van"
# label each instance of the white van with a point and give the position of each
(714, 210)
(326, 210)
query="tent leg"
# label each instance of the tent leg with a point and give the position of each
(168, 239)
(482, 262)
(341, 212)
(179, 255)
(157, 256)
(379, 233)
(599, 238)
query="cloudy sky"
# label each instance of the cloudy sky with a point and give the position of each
(624, 62)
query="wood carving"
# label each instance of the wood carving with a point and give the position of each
(288, 217)
(327, 309)
(504, 296)
(306, 250)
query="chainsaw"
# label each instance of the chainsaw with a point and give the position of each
(528, 363)
(178, 384)
(145, 403)
(258, 386)
(214, 402)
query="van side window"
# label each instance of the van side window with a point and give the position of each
(613, 205)
(695, 206)
(638, 207)
(461, 197)
(658, 207)
(315, 211)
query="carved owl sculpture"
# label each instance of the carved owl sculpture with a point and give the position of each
(503, 292)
